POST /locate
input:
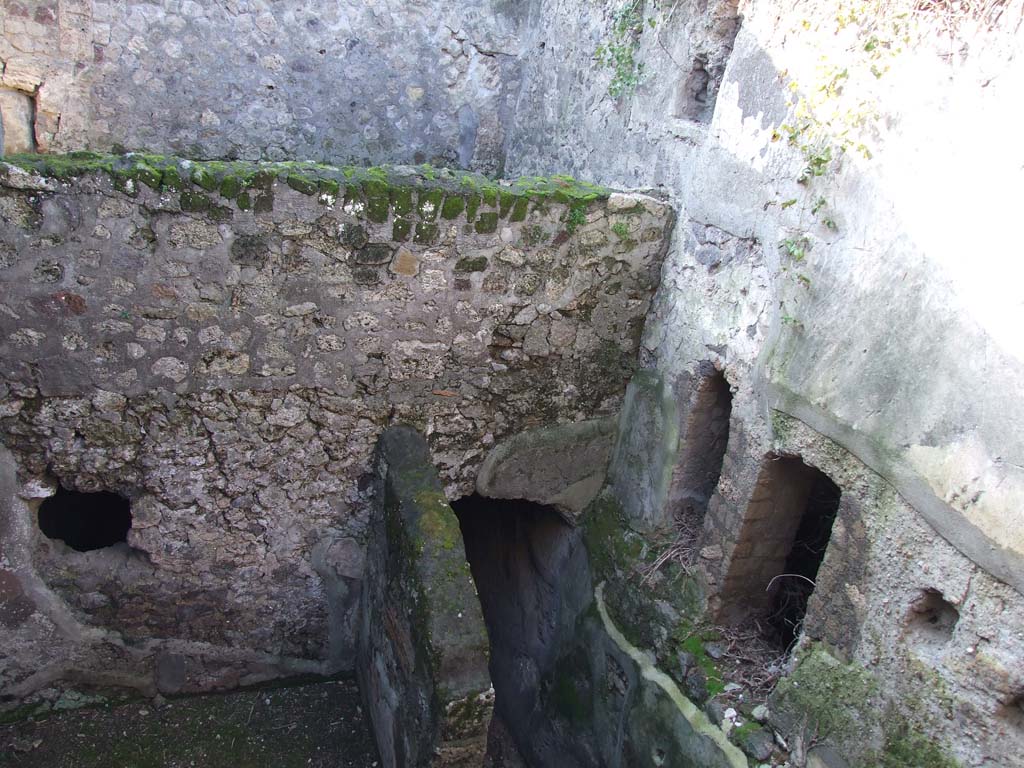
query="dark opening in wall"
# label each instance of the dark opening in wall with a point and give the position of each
(782, 543)
(695, 101)
(704, 440)
(932, 617)
(531, 573)
(1013, 711)
(792, 590)
(86, 521)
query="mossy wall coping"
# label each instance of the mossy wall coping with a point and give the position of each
(381, 185)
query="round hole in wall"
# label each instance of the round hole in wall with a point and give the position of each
(932, 616)
(86, 521)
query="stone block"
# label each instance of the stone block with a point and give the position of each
(17, 122)
(422, 642)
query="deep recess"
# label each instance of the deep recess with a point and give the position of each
(86, 521)
(522, 556)
(792, 591)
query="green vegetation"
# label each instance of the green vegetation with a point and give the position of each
(837, 700)
(576, 217)
(471, 264)
(621, 229)
(796, 247)
(618, 52)
(691, 641)
(905, 747)
(374, 192)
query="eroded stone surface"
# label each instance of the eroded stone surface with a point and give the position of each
(227, 361)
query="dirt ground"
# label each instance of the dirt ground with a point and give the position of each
(318, 725)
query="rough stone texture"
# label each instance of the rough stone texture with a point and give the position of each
(884, 336)
(572, 690)
(17, 122)
(646, 451)
(229, 370)
(531, 572)
(396, 81)
(892, 338)
(561, 466)
(422, 642)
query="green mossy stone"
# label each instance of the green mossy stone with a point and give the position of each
(194, 202)
(171, 180)
(378, 199)
(426, 233)
(453, 206)
(329, 188)
(125, 183)
(302, 184)
(520, 209)
(146, 174)
(230, 187)
(490, 196)
(507, 201)
(377, 209)
(205, 178)
(401, 200)
(244, 201)
(400, 230)
(428, 203)
(472, 204)
(487, 223)
(471, 264)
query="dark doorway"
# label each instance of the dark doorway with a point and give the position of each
(702, 451)
(530, 569)
(792, 589)
(785, 532)
(86, 521)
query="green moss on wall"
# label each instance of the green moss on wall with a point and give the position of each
(472, 205)
(520, 209)
(837, 699)
(428, 203)
(453, 206)
(401, 200)
(307, 185)
(487, 222)
(471, 264)
(400, 230)
(906, 747)
(426, 233)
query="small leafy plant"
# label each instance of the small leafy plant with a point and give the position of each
(577, 217)
(796, 247)
(618, 53)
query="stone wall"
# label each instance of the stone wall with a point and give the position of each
(222, 344)
(867, 300)
(349, 82)
(858, 303)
